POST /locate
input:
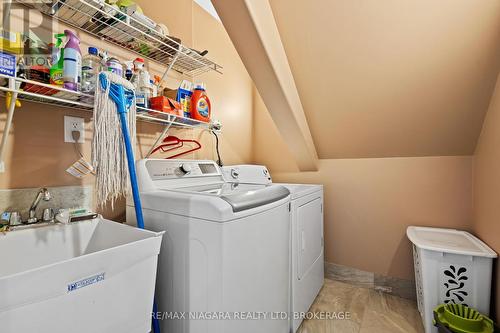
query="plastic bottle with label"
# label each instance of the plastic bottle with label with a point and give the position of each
(141, 81)
(57, 61)
(114, 66)
(200, 104)
(91, 66)
(72, 64)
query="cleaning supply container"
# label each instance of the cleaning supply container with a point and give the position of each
(72, 64)
(458, 318)
(91, 66)
(200, 104)
(57, 61)
(451, 267)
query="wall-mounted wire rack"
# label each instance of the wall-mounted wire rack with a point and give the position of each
(135, 33)
(38, 92)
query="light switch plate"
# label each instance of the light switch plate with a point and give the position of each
(74, 124)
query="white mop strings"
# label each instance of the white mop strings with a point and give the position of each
(109, 156)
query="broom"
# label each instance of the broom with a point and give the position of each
(115, 103)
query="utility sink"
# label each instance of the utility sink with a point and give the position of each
(89, 276)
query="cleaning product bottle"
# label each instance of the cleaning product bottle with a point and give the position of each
(184, 94)
(115, 66)
(129, 70)
(56, 69)
(200, 104)
(91, 66)
(156, 84)
(72, 71)
(141, 81)
(138, 67)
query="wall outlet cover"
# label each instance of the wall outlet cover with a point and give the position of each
(74, 124)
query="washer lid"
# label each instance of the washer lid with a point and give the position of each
(449, 241)
(241, 196)
(242, 200)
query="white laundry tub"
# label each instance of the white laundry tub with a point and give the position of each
(90, 276)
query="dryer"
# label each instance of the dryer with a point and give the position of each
(307, 245)
(224, 265)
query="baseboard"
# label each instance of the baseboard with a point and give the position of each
(390, 285)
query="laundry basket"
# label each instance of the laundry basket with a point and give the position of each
(451, 266)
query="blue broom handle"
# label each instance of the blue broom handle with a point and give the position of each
(131, 169)
(135, 192)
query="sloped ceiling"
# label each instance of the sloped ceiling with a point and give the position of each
(381, 78)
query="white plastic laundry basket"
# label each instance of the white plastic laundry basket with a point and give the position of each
(451, 266)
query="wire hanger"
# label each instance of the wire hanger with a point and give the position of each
(172, 143)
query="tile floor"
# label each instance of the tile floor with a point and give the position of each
(370, 311)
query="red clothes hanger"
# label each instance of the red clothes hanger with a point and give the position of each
(172, 142)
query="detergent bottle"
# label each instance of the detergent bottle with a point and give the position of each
(72, 65)
(56, 70)
(200, 104)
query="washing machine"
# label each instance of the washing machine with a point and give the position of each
(307, 245)
(224, 262)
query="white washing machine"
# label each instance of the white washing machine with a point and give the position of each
(224, 265)
(307, 254)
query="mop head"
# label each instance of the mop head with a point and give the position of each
(109, 156)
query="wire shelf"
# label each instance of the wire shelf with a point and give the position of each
(168, 118)
(135, 33)
(44, 93)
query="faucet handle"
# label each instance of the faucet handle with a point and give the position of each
(48, 215)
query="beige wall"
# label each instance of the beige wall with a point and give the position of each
(487, 186)
(370, 202)
(385, 78)
(37, 156)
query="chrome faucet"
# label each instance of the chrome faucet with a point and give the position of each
(44, 194)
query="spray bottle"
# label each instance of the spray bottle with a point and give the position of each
(72, 68)
(56, 70)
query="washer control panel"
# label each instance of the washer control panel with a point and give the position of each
(247, 173)
(174, 169)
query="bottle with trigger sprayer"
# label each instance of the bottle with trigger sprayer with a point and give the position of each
(72, 71)
(56, 70)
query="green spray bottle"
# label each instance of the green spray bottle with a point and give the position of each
(56, 70)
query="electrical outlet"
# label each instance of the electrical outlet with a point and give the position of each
(74, 124)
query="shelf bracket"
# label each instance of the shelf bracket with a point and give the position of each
(8, 123)
(170, 66)
(162, 135)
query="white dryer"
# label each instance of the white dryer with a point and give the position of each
(307, 245)
(224, 265)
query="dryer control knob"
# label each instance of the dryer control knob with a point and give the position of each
(185, 168)
(234, 173)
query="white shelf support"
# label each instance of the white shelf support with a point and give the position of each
(8, 124)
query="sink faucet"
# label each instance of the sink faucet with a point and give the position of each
(44, 194)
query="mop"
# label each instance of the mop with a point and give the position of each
(112, 156)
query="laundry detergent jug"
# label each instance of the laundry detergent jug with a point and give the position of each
(200, 104)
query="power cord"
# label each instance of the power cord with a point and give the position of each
(76, 136)
(219, 160)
